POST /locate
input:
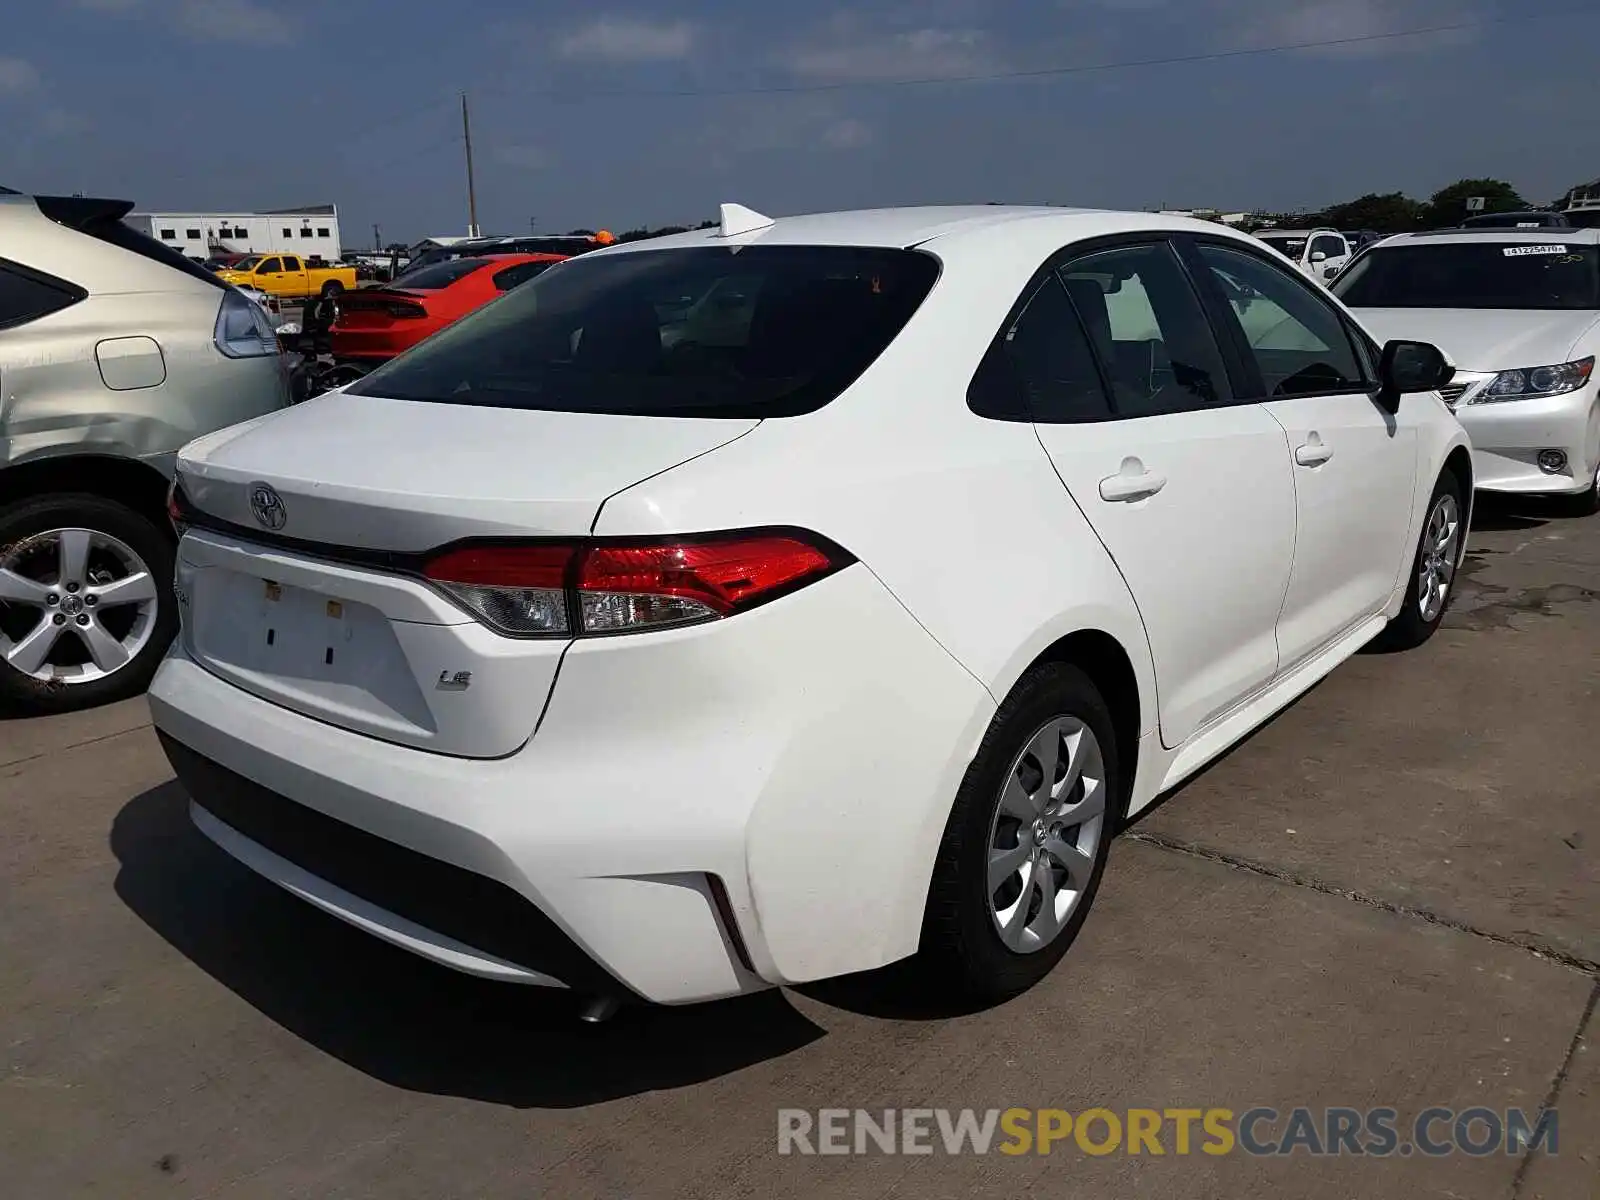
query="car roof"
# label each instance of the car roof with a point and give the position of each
(1295, 232)
(501, 257)
(907, 228)
(1576, 235)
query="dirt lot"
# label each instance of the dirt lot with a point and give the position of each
(1388, 897)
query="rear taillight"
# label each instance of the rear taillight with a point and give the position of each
(179, 511)
(620, 587)
(516, 589)
(243, 329)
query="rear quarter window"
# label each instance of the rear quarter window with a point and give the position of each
(756, 331)
(26, 295)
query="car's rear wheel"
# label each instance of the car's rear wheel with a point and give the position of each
(331, 289)
(1433, 569)
(1027, 839)
(86, 604)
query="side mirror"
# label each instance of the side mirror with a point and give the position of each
(1408, 367)
(1318, 256)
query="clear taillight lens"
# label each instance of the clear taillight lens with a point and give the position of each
(607, 588)
(519, 590)
(243, 328)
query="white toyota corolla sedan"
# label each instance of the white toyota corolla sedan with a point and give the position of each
(1520, 311)
(669, 650)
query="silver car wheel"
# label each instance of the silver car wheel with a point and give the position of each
(1437, 557)
(1044, 840)
(94, 599)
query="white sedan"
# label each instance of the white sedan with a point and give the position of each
(1520, 310)
(561, 655)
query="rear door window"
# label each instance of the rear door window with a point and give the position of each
(752, 331)
(439, 275)
(1148, 329)
(515, 276)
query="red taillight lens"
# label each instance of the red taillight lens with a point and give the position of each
(634, 587)
(515, 589)
(178, 511)
(530, 590)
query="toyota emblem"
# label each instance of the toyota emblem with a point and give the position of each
(268, 505)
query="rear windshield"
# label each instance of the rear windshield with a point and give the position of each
(1514, 221)
(1527, 274)
(758, 331)
(1291, 247)
(439, 275)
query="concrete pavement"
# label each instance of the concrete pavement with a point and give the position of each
(1388, 897)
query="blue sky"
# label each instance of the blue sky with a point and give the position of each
(580, 116)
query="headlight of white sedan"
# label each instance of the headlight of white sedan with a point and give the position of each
(1528, 383)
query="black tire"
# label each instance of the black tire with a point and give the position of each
(961, 952)
(25, 695)
(1584, 504)
(331, 289)
(1410, 628)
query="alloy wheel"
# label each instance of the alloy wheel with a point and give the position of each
(1436, 561)
(1044, 840)
(76, 605)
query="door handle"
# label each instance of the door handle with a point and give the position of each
(1314, 453)
(1133, 482)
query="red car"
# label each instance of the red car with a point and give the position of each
(377, 323)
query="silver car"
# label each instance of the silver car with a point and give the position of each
(114, 352)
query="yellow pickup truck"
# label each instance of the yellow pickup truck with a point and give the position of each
(288, 276)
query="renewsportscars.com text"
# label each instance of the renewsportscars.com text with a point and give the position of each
(1374, 1132)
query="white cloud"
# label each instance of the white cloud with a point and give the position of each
(243, 21)
(629, 40)
(1360, 25)
(17, 76)
(848, 53)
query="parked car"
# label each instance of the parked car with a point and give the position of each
(1320, 253)
(114, 351)
(287, 276)
(1358, 238)
(560, 655)
(1520, 312)
(378, 323)
(565, 245)
(1540, 219)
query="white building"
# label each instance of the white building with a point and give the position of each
(312, 231)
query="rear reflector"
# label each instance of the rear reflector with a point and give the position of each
(547, 589)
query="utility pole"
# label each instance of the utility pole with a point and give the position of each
(472, 193)
(532, 222)
(377, 237)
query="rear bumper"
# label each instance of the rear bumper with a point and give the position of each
(802, 756)
(1507, 439)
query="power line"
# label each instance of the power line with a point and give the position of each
(1037, 72)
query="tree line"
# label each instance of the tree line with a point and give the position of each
(1389, 212)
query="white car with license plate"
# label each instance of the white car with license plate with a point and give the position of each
(1519, 310)
(567, 652)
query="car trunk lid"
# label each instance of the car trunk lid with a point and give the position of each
(300, 581)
